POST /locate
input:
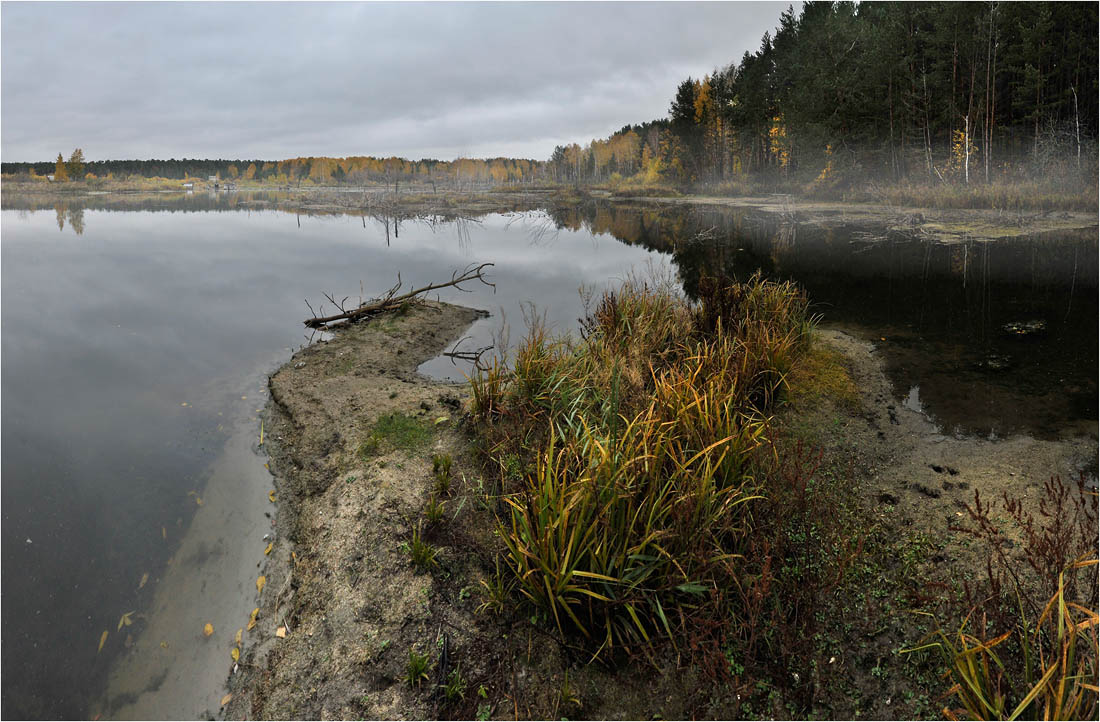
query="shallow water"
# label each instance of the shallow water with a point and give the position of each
(131, 336)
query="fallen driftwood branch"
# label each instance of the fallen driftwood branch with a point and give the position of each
(471, 357)
(391, 300)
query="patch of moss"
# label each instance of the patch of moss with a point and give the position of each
(821, 375)
(396, 431)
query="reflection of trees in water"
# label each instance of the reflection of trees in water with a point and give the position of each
(74, 214)
(76, 219)
(943, 305)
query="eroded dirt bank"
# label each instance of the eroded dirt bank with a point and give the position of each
(342, 586)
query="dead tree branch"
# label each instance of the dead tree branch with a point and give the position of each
(391, 300)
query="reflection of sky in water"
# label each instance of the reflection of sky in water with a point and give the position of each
(106, 333)
(912, 400)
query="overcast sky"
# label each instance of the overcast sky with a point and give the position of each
(280, 80)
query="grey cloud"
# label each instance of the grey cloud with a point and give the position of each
(276, 80)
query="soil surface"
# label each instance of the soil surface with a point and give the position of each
(341, 586)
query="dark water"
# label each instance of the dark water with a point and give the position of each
(115, 313)
(987, 338)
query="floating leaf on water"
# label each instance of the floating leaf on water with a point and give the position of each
(102, 641)
(235, 653)
(208, 629)
(125, 621)
(268, 550)
(237, 639)
(260, 582)
(145, 576)
(271, 496)
(226, 698)
(281, 632)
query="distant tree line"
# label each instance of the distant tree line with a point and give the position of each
(943, 90)
(293, 171)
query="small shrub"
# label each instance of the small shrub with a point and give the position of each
(421, 553)
(441, 468)
(416, 669)
(497, 591)
(434, 509)
(455, 686)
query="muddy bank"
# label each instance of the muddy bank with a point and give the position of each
(344, 604)
(924, 475)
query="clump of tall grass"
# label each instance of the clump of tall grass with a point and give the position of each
(642, 436)
(1027, 646)
(1049, 670)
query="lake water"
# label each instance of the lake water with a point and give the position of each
(137, 339)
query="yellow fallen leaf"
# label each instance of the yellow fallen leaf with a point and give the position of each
(164, 645)
(198, 501)
(294, 558)
(266, 466)
(184, 404)
(125, 620)
(145, 576)
(268, 550)
(102, 641)
(442, 420)
(260, 582)
(281, 632)
(243, 398)
(164, 532)
(226, 698)
(235, 653)
(261, 432)
(271, 496)
(208, 629)
(237, 639)
(252, 618)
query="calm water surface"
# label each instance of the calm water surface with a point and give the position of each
(136, 346)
